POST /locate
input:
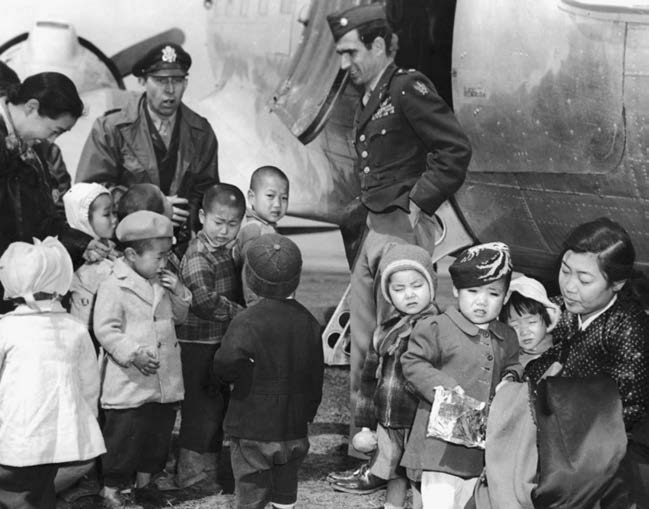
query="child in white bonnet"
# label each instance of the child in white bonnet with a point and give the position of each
(49, 378)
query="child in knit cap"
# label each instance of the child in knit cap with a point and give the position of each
(408, 281)
(89, 208)
(268, 199)
(467, 347)
(135, 313)
(209, 272)
(531, 314)
(272, 353)
(49, 378)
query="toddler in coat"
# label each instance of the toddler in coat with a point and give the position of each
(468, 347)
(272, 353)
(49, 378)
(137, 308)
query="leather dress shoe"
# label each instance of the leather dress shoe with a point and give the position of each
(347, 475)
(364, 484)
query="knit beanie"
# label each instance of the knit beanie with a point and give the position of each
(398, 257)
(273, 266)
(480, 265)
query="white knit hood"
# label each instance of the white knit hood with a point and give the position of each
(77, 203)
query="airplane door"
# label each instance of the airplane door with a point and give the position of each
(305, 99)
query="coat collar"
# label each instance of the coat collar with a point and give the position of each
(134, 128)
(363, 115)
(496, 327)
(128, 278)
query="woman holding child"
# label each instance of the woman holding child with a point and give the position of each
(41, 108)
(603, 330)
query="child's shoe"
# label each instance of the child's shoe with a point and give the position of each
(113, 498)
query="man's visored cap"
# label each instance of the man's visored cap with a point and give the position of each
(144, 224)
(345, 21)
(164, 57)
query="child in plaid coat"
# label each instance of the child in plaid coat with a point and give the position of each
(208, 270)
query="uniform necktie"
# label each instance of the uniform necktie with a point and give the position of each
(164, 130)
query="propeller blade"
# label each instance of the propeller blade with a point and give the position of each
(125, 59)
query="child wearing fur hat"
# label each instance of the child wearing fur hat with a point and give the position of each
(49, 379)
(532, 315)
(272, 353)
(209, 272)
(408, 281)
(136, 309)
(468, 347)
(89, 208)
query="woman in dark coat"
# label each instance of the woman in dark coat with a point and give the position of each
(604, 330)
(40, 109)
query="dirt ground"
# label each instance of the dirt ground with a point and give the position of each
(320, 292)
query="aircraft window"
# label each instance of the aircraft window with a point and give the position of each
(263, 7)
(287, 6)
(245, 4)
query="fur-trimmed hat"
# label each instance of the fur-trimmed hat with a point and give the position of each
(534, 290)
(480, 265)
(164, 57)
(398, 257)
(273, 266)
(345, 21)
(144, 224)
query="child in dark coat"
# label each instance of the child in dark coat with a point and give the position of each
(465, 346)
(273, 356)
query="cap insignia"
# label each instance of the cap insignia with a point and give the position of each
(169, 54)
(343, 22)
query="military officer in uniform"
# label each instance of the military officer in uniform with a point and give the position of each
(412, 155)
(157, 139)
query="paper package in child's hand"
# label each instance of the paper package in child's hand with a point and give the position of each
(457, 418)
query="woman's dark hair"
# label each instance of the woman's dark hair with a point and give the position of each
(615, 254)
(522, 305)
(55, 93)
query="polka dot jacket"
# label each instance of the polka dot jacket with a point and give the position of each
(616, 344)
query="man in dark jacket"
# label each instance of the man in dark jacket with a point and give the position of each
(412, 155)
(156, 139)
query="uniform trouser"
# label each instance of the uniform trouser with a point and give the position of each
(28, 487)
(367, 305)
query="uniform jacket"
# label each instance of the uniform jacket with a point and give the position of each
(49, 385)
(448, 350)
(614, 344)
(131, 312)
(210, 275)
(119, 151)
(409, 144)
(272, 352)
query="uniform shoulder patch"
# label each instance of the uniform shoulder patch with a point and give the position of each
(421, 87)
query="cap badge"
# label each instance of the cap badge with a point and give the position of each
(169, 54)
(343, 22)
